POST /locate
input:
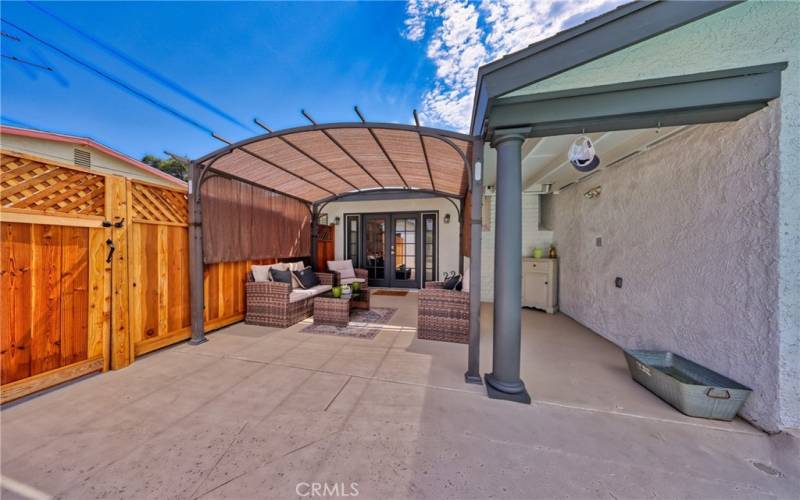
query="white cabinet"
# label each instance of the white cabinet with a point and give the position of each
(540, 284)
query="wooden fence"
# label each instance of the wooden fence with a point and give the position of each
(70, 307)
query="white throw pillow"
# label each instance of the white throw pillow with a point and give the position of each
(297, 266)
(343, 267)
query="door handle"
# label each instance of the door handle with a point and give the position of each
(111, 249)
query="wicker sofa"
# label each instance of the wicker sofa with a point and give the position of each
(270, 303)
(443, 314)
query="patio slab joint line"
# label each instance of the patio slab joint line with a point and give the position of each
(349, 378)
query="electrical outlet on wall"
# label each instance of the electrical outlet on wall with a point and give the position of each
(598, 242)
(618, 282)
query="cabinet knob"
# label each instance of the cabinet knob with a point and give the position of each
(545, 283)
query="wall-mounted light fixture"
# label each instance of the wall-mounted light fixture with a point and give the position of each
(337, 220)
(593, 193)
(447, 218)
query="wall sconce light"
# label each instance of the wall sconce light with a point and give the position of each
(447, 218)
(337, 220)
(593, 193)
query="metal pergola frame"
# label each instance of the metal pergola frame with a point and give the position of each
(203, 169)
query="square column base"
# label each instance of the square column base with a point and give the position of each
(518, 397)
(473, 378)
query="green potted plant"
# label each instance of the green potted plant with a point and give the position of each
(336, 291)
(355, 286)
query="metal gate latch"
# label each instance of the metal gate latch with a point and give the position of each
(111, 249)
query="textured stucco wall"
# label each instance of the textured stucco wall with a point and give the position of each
(691, 227)
(751, 33)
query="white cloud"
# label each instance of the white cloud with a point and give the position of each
(415, 21)
(461, 36)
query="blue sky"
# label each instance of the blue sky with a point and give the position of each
(265, 60)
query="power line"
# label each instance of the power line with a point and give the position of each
(142, 68)
(23, 61)
(8, 35)
(155, 102)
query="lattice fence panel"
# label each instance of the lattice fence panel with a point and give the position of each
(153, 204)
(325, 233)
(35, 185)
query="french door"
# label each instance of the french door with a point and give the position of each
(392, 249)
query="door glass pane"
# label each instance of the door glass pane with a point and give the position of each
(376, 244)
(429, 238)
(405, 248)
(352, 239)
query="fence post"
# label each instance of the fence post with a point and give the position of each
(117, 202)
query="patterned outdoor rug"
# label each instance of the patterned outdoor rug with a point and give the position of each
(395, 293)
(364, 324)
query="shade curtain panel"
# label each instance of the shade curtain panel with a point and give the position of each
(244, 222)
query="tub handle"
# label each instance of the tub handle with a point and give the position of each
(720, 394)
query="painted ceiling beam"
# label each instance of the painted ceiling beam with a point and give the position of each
(684, 100)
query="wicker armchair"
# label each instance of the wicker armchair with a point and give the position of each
(268, 302)
(443, 314)
(360, 273)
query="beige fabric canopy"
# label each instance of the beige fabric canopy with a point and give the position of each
(322, 162)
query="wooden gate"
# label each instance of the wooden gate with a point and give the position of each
(326, 245)
(55, 321)
(70, 306)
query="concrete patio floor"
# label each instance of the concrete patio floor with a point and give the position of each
(256, 411)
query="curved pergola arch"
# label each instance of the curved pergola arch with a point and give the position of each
(317, 126)
(320, 162)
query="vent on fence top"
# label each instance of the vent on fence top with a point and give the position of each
(82, 158)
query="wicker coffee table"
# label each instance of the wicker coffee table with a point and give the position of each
(330, 310)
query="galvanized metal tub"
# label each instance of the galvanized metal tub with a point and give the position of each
(690, 388)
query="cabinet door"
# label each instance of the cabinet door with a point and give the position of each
(535, 288)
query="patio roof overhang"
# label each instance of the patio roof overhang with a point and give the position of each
(622, 27)
(323, 162)
(714, 96)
